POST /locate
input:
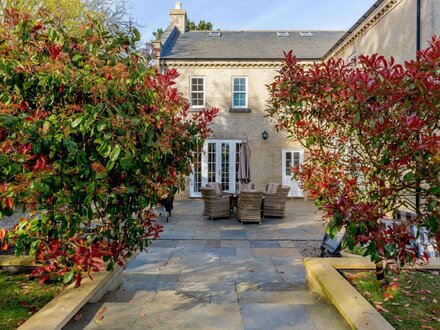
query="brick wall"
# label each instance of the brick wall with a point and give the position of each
(266, 154)
(430, 20)
(393, 34)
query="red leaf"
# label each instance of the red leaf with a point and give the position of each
(9, 203)
(3, 233)
(394, 286)
(44, 278)
(78, 279)
(54, 51)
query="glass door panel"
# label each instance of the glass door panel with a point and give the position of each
(217, 161)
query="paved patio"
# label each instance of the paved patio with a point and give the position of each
(302, 222)
(219, 274)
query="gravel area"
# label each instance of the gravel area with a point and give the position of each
(9, 222)
(308, 249)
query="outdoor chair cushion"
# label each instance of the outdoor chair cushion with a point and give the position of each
(245, 186)
(216, 186)
(272, 188)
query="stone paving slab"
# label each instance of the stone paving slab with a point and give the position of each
(190, 316)
(276, 316)
(324, 317)
(218, 275)
(103, 316)
(280, 252)
(264, 244)
(297, 297)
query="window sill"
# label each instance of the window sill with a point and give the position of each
(195, 109)
(240, 110)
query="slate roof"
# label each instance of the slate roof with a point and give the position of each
(247, 45)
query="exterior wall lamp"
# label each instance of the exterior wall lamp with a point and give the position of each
(265, 135)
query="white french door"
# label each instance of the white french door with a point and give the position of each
(290, 158)
(217, 161)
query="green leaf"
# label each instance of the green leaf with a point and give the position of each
(110, 266)
(310, 141)
(67, 278)
(357, 118)
(77, 121)
(381, 119)
(408, 176)
(115, 153)
(435, 191)
(136, 34)
(33, 248)
(77, 57)
(102, 174)
(110, 165)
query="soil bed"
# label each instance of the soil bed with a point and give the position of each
(20, 298)
(412, 304)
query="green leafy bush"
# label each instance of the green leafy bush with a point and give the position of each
(91, 136)
(372, 135)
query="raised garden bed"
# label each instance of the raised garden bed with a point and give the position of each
(413, 304)
(324, 277)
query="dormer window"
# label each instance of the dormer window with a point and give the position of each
(215, 34)
(306, 34)
(283, 34)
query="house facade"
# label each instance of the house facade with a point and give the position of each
(229, 70)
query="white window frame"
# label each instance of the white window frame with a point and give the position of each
(218, 166)
(191, 91)
(233, 92)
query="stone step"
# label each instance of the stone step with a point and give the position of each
(297, 297)
(169, 310)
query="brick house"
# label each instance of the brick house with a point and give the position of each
(230, 70)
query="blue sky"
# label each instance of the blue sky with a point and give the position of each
(253, 15)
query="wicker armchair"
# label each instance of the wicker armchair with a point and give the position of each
(244, 186)
(215, 206)
(249, 206)
(275, 204)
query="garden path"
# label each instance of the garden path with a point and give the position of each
(219, 275)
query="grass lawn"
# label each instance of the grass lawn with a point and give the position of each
(20, 298)
(413, 304)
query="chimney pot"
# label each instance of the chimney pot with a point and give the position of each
(178, 17)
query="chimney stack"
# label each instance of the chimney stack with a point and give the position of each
(178, 17)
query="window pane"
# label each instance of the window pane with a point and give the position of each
(239, 84)
(225, 166)
(288, 163)
(239, 99)
(211, 162)
(296, 158)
